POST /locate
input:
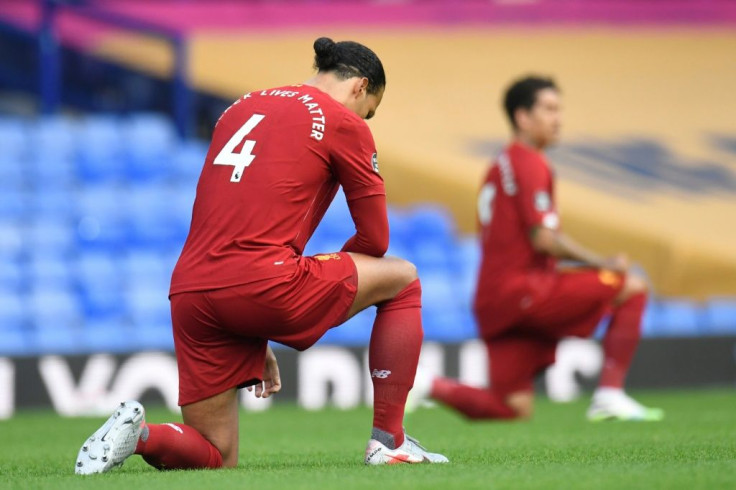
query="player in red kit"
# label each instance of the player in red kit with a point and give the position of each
(277, 158)
(525, 303)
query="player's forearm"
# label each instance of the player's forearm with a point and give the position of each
(562, 246)
(362, 245)
(371, 226)
(574, 251)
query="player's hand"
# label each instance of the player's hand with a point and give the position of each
(271, 378)
(617, 263)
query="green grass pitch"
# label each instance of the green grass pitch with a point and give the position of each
(286, 447)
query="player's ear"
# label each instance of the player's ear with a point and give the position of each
(360, 87)
(521, 117)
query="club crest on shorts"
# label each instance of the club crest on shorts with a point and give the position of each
(374, 162)
(323, 257)
(609, 278)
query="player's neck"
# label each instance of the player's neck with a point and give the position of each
(528, 142)
(329, 84)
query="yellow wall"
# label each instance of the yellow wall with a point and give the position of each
(673, 86)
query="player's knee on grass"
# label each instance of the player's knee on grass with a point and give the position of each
(521, 402)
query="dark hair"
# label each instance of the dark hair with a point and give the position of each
(523, 94)
(347, 59)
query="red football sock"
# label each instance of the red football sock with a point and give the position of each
(474, 403)
(621, 340)
(393, 356)
(177, 447)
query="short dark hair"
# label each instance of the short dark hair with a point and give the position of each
(347, 59)
(523, 94)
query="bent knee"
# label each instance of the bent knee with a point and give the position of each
(407, 272)
(635, 284)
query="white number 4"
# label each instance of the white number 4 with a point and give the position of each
(243, 158)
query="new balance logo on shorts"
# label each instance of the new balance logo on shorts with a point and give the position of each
(380, 373)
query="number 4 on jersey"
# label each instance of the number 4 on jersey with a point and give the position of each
(244, 157)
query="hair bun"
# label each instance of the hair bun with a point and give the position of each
(324, 49)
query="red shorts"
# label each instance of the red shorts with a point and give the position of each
(556, 305)
(221, 335)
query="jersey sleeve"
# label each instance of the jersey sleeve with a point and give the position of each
(354, 160)
(535, 196)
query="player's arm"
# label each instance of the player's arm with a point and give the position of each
(355, 165)
(558, 244)
(539, 213)
(371, 226)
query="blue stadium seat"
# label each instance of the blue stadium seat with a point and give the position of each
(356, 331)
(467, 256)
(431, 223)
(16, 343)
(102, 305)
(181, 200)
(51, 204)
(450, 325)
(12, 242)
(12, 312)
(14, 143)
(100, 157)
(107, 335)
(45, 170)
(149, 311)
(53, 139)
(151, 140)
(99, 269)
(431, 256)
(720, 317)
(399, 225)
(12, 176)
(439, 293)
(320, 244)
(98, 276)
(49, 272)
(672, 318)
(398, 248)
(188, 159)
(155, 335)
(148, 305)
(56, 320)
(145, 269)
(54, 308)
(46, 236)
(464, 285)
(12, 276)
(14, 204)
(100, 210)
(56, 341)
(337, 224)
(14, 339)
(151, 219)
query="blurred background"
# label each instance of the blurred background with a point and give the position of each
(106, 107)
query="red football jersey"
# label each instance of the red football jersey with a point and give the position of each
(276, 160)
(517, 195)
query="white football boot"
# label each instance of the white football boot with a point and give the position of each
(409, 452)
(614, 404)
(112, 443)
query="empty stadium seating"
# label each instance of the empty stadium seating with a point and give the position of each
(94, 211)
